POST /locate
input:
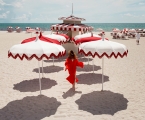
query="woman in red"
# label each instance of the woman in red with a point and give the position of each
(70, 64)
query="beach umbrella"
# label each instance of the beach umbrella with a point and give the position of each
(10, 29)
(102, 48)
(116, 30)
(125, 30)
(18, 29)
(132, 31)
(42, 38)
(61, 38)
(87, 37)
(30, 30)
(99, 29)
(36, 49)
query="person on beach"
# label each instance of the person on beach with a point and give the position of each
(137, 38)
(71, 64)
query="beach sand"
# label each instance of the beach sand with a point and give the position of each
(124, 86)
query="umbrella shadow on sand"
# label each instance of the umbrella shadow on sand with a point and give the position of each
(105, 102)
(30, 108)
(91, 78)
(84, 59)
(71, 92)
(61, 59)
(33, 85)
(49, 69)
(88, 68)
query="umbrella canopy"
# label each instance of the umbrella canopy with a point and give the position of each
(36, 49)
(42, 38)
(61, 38)
(125, 30)
(29, 30)
(87, 37)
(71, 27)
(132, 30)
(100, 29)
(103, 48)
(116, 30)
(18, 29)
(10, 29)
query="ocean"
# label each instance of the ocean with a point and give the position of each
(107, 27)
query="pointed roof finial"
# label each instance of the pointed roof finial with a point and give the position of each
(72, 8)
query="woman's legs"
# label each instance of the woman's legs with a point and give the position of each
(73, 85)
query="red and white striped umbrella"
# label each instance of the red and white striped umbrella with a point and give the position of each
(116, 30)
(61, 38)
(18, 29)
(102, 48)
(132, 30)
(71, 27)
(37, 49)
(10, 29)
(42, 38)
(87, 37)
(125, 30)
(30, 30)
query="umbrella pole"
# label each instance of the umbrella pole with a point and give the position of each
(93, 65)
(39, 77)
(102, 72)
(42, 70)
(88, 60)
(53, 61)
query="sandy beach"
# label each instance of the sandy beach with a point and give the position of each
(124, 86)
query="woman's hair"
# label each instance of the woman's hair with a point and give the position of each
(71, 55)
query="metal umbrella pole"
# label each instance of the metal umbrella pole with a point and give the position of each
(39, 77)
(42, 70)
(102, 72)
(93, 65)
(53, 61)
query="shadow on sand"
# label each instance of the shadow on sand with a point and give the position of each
(88, 68)
(71, 92)
(85, 59)
(33, 85)
(105, 102)
(61, 59)
(30, 108)
(49, 69)
(91, 78)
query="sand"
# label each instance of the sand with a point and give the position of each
(124, 86)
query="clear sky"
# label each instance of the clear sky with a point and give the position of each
(94, 11)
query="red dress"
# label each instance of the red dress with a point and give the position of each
(71, 65)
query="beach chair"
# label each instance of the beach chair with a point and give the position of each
(123, 37)
(10, 29)
(118, 37)
(114, 37)
(141, 35)
(18, 29)
(133, 35)
(111, 34)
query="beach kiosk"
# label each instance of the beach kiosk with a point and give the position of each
(71, 26)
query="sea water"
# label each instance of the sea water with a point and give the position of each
(107, 27)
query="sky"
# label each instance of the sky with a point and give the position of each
(94, 11)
